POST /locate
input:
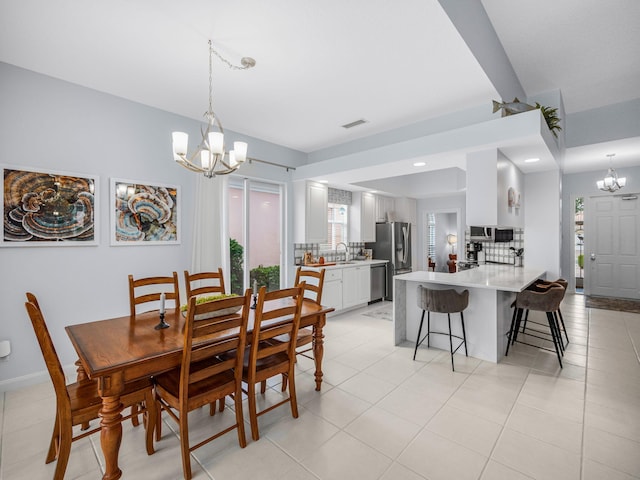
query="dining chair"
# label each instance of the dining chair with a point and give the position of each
(149, 289)
(313, 285)
(211, 368)
(207, 283)
(79, 403)
(269, 356)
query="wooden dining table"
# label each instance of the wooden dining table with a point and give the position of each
(122, 349)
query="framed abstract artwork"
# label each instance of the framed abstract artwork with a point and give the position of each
(144, 213)
(45, 208)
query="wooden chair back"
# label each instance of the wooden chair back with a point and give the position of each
(148, 289)
(314, 282)
(208, 283)
(200, 327)
(281, 322)
(50, 356)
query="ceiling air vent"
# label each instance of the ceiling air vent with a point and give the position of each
(354, 124)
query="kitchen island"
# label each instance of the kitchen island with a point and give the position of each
(492, 289)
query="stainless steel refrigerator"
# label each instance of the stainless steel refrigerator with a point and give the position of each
(393, 243)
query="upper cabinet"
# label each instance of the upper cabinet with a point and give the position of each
(384, 205)
(495, 193)
(310, 212)
(362, 223)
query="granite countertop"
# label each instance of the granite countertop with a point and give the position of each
(495, 277)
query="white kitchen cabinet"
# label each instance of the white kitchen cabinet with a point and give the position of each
(356, 286)
(362, 224)
(310, 212)
(384, 205)
(332, 288)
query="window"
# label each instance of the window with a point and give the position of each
(338, 226)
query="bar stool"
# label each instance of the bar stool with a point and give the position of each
(547, 301)
(442, 301)
(542, 285)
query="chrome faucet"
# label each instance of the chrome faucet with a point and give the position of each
(346, 250)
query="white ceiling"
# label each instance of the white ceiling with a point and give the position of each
(323, 64)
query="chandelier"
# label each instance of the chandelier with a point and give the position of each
(611, 182)
(210, 157)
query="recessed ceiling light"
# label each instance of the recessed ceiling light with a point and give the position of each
(419, 164)
(323, 181)
(531, 160)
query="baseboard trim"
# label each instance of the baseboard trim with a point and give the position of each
(33, 379)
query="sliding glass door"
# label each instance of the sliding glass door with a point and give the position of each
(255, 234)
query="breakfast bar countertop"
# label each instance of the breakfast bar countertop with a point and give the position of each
(495, 277)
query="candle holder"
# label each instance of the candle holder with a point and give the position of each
(255, 301)
(162, 323)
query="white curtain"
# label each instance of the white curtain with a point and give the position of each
(209, 226)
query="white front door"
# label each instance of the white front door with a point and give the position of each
(612, 246)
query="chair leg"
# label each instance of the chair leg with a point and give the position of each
(221, 404)
(150, 423)
(184, 445)
(293, 399)
(284, 381)
(242, 437)
(158, 425)
(464, 334)
(66, 435)
(451, 342)
(54, 446)
(253, 413)
(134, 414)
(553, 336)
(419, 333)
(213, 406)
(263, 386)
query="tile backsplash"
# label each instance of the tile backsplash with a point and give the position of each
(500, 252)
(299, 249)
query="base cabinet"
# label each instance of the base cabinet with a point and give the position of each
(332, 289)
(356, 286)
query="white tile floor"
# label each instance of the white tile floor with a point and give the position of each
(381, 415)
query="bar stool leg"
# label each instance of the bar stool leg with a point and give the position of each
(563, 326)
(464, 335)
(510, 334)
(428, 329)
(553, 336)
(419, 333)
(451, 342)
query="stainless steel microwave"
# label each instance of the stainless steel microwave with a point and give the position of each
(479, 234)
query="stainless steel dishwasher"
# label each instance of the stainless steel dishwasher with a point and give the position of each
(378, 282)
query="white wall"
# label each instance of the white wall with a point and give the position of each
(542, 222)
(54, 125)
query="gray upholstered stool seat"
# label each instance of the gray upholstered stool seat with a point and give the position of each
(541, 286)
(545, 300)
(442, 301)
